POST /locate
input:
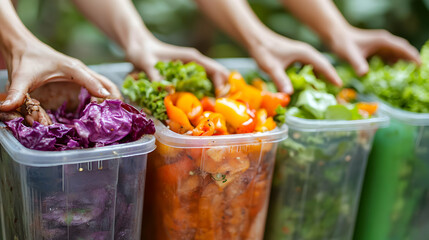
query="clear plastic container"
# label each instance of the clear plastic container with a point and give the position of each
(213, 187)
(77, 194)
(318, 177)
(395, 195)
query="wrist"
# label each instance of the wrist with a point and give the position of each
(137, 44)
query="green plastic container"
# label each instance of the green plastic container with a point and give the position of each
(318, 178)
(395, 196)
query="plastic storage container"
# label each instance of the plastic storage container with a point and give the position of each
(395, 196)
(78, 194)
(318, 177)
(213, 187)
(87, 194)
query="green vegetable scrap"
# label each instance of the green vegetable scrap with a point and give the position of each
(314, 99)
(403, 85)
(180, 77)
(189, 77)
(147, 94)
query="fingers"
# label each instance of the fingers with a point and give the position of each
(147, 64)
(356, 58)
(398, 46)
(321, 65)
(277, 73)
(84, 78)
(15, 94)
(109, 85)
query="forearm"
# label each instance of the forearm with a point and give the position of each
(13, 33)
(320, 15)
(118, 19)
(237, 19)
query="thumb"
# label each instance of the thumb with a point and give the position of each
(15, 95)
(357, 60)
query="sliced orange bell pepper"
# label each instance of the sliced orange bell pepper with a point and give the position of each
(346, 95)
(173, 173)
(178, 120)
(235, 112)
(270, 101)
(259, 84)
(204, 128)
(370, 108)
(219, 122)
(236, 82)
(190, 105)
(241, 91)
(208, 104)
(263, 122)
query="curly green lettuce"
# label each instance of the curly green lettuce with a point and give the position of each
(149, 95)
(403, 85)
(315, 99)
(189, 77)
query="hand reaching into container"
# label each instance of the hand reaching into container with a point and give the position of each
(121, 22)
(31, 63)
(272, 52)
(350, 43)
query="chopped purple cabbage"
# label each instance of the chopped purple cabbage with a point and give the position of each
(92, 125)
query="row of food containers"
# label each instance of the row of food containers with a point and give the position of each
(319, 166)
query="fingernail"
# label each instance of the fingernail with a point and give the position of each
(104, 92)
(7, 102)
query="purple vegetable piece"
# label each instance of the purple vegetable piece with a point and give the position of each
(64, 211)
(40, 137)
(92, 125)
(104, 123)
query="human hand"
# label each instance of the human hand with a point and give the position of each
(355, 45)
(147, 53)
(34, 64)
(275, 53)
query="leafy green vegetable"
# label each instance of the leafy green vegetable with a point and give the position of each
(315, 99)
(253, 75)
(149, 95)
(280, 117)
(315, 102)
(402, 85)
(189, 77)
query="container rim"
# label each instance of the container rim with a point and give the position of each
(411, 118)
(37, 158)
(380, 120)
(166, 136)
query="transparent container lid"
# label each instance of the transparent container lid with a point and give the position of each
(38, 158)
(411, 118)
(172, 139)
(312, 125)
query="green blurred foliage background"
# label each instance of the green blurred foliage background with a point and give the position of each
(59, 24)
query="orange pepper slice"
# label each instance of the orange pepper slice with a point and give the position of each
(346, 95)
(208, 104)
(259, 84)
(190, 105)
(241, 91)
(263, 122)
(179, 121)
(219, 122)
(204, 128)
(270, 102)
(234, 112)
(370, 108)
(172, 174)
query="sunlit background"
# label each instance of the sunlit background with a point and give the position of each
(59, 24)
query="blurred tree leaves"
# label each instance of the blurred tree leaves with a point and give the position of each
(60, 25)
